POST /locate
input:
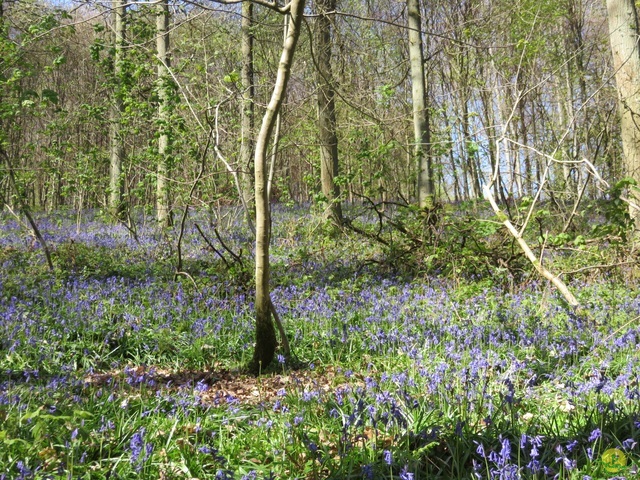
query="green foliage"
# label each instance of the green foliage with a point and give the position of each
(233, 77)
(616, 212)
(445, 241)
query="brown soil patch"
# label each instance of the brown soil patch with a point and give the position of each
(220, 387)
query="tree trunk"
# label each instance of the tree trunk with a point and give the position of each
(566, 116)
(524, 139)
(265, 332)
(469, 150)
(116, 182)
(247, 108)
(490, 127)
(162, 46)
(327, 135)
(422, 149)
(623, 34)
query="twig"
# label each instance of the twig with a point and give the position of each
(19, 220)
(612, 265)
(25, 210)
(186, 208)
(208, 242)
(224, 245)
(576, 203)
(195, 285)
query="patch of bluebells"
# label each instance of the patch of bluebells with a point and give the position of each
(139, 449)
(490, 356)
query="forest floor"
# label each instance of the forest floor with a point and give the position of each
(112, 366)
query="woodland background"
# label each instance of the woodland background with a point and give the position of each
(537, 73)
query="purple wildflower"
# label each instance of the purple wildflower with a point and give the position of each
(595, 434)
(140, 450)
(367, 472)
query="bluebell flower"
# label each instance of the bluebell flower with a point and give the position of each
(387, 456)
(224, 474)
(505, 453)
(572, 445)
(25, 472)
(367, 472)
(534, 465)
(201, 386)
(523, 441)
(405, 474)
(595, 434)
(138, 446)
(590, 453)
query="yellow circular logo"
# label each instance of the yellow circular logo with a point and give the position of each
(613, 460)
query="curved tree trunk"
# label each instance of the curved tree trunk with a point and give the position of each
(265, 332)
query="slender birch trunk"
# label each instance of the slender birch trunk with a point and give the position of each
(247, 108)
(116, 181)
(265, 332)
(162, 46)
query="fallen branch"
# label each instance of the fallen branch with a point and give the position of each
(542, 270)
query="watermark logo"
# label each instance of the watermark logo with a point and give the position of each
(613, 460)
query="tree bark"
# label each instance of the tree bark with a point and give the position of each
(266, 343)
(623, 34)
(422, 148)
(327, 136)
(471, 165)
(116, 182)
(247, 108)
(163, 210)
